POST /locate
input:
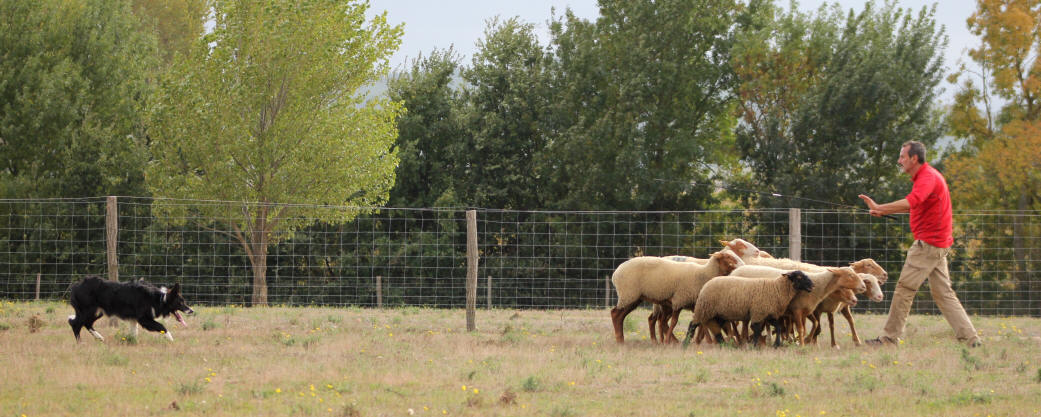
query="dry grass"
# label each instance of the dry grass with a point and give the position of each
(367, 362)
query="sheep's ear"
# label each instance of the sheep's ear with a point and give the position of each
(724, 243)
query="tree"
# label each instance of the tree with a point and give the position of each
(998, 168)
(72, 87)
(1000, 165)
(641, 105)
(265, 111)
(503, 102)
(827, 101)
(430, 133)
(176, 24)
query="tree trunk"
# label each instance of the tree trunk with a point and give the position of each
(259, 261)
(258, 256)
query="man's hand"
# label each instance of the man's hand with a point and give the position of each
(872, 205)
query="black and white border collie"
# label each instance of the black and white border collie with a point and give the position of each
(137, 301)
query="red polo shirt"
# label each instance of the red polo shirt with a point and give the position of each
(930, 208)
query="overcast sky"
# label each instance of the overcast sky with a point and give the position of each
(460, 23)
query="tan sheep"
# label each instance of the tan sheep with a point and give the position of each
(833, 303)
(662, 281)
(657, 319)
(758, 301)
(824, 283)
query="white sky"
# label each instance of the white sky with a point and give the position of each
(460, 23)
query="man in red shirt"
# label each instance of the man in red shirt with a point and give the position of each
(930, 206)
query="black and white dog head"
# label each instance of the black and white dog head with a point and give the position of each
(173, 302)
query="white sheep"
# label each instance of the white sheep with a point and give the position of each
(661, 281)
(834, 303)
(824, 283)
(758, 301)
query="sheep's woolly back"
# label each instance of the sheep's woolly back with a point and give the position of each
(737, 298)
(785, 264)
(657, 279)
(757, 271)
(824, 283)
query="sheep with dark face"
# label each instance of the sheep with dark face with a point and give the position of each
(663, 282)
(759, 301)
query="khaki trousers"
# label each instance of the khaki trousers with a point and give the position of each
(927, 261)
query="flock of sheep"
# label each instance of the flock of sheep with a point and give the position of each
(742, 285)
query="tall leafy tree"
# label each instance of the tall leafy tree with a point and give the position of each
(72, 87)
(176, 24)
(999, 167)
(504, 99)
(998, 111)
(266, 110)
(430, 133)
(642, 104)
(827, 101)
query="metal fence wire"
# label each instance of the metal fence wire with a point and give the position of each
(528, 259)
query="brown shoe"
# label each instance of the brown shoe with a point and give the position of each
(880, 341)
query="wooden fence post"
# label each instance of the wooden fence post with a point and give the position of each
(795, 234)
(37, 286)
(111, 237)
(607, 291)
(471, 270)
(489, 297)
(379, 291)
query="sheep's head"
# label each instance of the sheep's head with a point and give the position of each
(869, 266)
(742, 248)
(728, 261)
(874, 291)
(799, 280)
(847, 296)
(847, 278)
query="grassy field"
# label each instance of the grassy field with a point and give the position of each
(411, 361)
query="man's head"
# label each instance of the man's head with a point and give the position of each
(912, 156)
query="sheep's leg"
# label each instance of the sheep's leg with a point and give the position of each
(779, 329)
(618, 318)
(849, 317)
(652, 321)
(800, 323)
(691, 329)
(666, 311)
(757, 329)
(815, 321)
(668, 329)
(831, 328)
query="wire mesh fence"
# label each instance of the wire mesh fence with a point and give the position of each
(528, 259)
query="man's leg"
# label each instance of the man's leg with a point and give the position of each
(916, 269)
(947, 301)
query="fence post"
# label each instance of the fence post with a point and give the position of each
(489, 298)
(607, 291)
(37, 286)
(471, 270)
(795, 234)
(379, 291)
(111, 236)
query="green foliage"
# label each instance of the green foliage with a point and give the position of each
(640, 105)
(73, 79)
(826, 102)
(430, 132)
(505, 98)
(266, 109)
(531, 384)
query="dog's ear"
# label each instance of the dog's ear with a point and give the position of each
(176, 288)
